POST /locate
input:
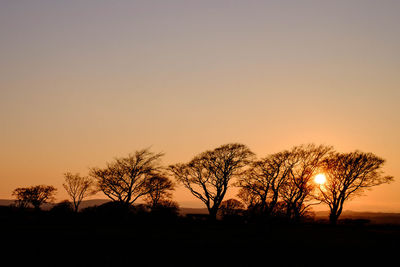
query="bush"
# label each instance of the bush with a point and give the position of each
(63, 208)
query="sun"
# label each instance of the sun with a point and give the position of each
(320, 178)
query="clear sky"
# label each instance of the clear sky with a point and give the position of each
(82, 82)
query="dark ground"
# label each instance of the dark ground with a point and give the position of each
(184, 243)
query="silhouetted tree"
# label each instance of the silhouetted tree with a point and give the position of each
(297, 190)
(165, 209)
(231, 207)
(207, 176)
(125, 179)
(34, 195)
(78, 187)
(260, 184)
(159, 188)
(348, 175)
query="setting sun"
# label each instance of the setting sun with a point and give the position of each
(320, 178)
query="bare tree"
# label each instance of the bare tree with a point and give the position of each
(159, 188)
(260, 184)
(34, 195)
(349, 175)
(297, 190)
(207, 176)
(78, 187)
(125, 179)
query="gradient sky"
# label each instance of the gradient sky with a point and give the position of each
(82, 82)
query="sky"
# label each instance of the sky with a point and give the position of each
(83, 82)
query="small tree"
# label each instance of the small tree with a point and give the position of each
(159, 188)
(125, 179)
(34, 195)
(349, 175)
(231, 207)
(64, 207)
(208, 175)
(78, 187)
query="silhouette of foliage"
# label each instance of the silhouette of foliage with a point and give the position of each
(207, 176)
(231, 207)
(260, 185)
(297, 190)
(277, 188)
(159, 187)
(125, 179)
(165, 209)
(112, 211)
(34, 195)
(78, 187)
(284, 178)
(349, 175)
(62, 208)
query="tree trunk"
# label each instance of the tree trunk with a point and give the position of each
(37, 208)
(336, 210)
(213, 214)
(289, 211)
(76, 206)
(333, 219)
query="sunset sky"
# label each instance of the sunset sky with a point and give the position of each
(82, 82)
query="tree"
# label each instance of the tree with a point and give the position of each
(78, 187)
(159, 188)
(208, 175)
(231, 207)
(260, 185)
(297, 190)
(125, 179)
(34, 195)
(349, 175)
(165, 209)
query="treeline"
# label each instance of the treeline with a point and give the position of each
(278, 185)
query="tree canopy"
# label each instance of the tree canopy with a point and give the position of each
(34, 195)
(78, 187)
(208, 175)
(349, 175)
(125, 179)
